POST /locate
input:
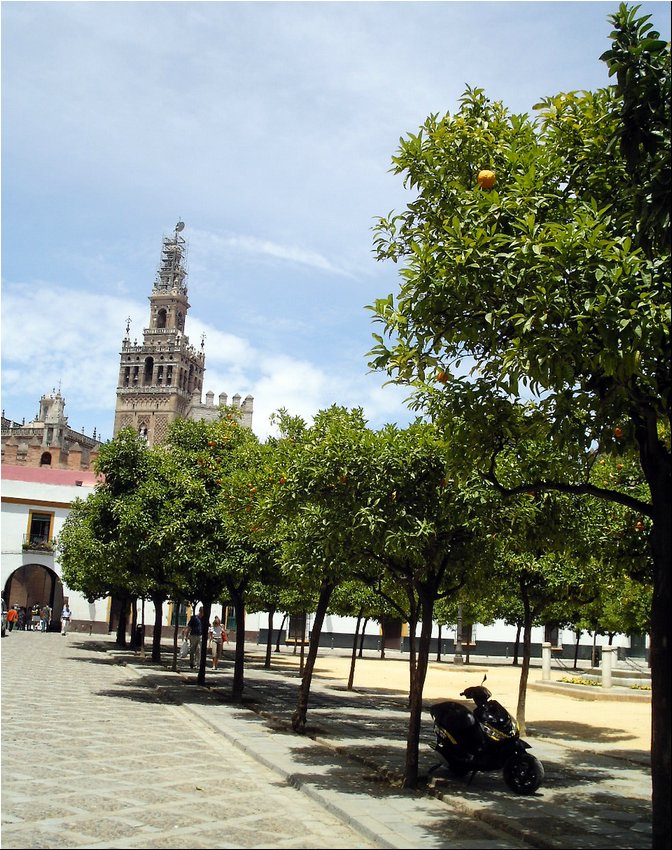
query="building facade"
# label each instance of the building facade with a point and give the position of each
(35, 503)
(48, 441)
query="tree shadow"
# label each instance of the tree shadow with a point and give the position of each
(572, 730)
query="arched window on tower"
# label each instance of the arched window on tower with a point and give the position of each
(149, 371)
(161, 318)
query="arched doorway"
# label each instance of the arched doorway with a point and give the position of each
(35, 584)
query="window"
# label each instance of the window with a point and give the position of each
(40, 527)
(149, 371)
(45, 460)
(161, 318)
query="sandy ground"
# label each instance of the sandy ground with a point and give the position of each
(608, 724)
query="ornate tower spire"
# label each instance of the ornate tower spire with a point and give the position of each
(159, 379)
(172, 274)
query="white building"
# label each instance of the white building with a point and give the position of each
(35, 503)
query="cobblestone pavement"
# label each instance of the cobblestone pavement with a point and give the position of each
(92, 758)
(137, 753)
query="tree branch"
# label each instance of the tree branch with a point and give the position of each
(637, 505)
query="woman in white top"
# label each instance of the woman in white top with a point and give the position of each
(217, 638)
(65, 619)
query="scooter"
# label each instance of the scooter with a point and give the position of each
(487, 738)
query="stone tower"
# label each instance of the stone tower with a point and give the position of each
(162, 379)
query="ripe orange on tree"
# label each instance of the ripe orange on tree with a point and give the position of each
(486, 179)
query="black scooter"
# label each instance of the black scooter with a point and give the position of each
(487, 738)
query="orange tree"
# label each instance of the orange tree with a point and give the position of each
(379, 507)
(109, 543)
(318, 472)
(554, 283)
(211, 545)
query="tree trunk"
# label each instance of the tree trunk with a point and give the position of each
(361, 639)
(207, 607)
(156, 633)
(656, 466)
(176, 635)
(382, 639)
(576, 649)
(418, 676)
(133, 643)
(516, 645)
(269, 637)
(527, 652)
(302, 651)
(301, 712)
(123, 622)
(353, 659)
(282, 626)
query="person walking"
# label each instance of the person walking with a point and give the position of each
(195, 635)
(217, 638)
(66, 614)
(46, 618)
(12, 617)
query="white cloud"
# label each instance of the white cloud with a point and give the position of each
(212, 246)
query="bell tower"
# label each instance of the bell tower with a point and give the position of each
(159, 378)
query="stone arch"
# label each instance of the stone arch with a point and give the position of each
(149, 372)
(45, 460)
(35, 584)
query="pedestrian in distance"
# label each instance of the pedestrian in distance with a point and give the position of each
(46, 617)
(217, 638)
(21, 622)
(66, 614)
(195, 635)
(12, 617)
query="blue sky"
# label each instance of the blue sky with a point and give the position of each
(268, 128)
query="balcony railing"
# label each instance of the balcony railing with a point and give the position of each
(38, 544)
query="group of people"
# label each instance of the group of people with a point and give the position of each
(194, 631)
(36, 619)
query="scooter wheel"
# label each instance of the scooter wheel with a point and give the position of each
(523, 774)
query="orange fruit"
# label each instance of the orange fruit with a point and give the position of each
(618, 432)
(442, 377)
(486, 179)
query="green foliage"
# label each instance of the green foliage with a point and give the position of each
(555, 282)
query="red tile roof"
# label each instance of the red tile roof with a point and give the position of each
(48, 475)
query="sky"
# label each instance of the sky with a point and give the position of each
(268, 128)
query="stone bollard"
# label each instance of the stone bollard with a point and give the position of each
(607, 664)
(546, 662)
